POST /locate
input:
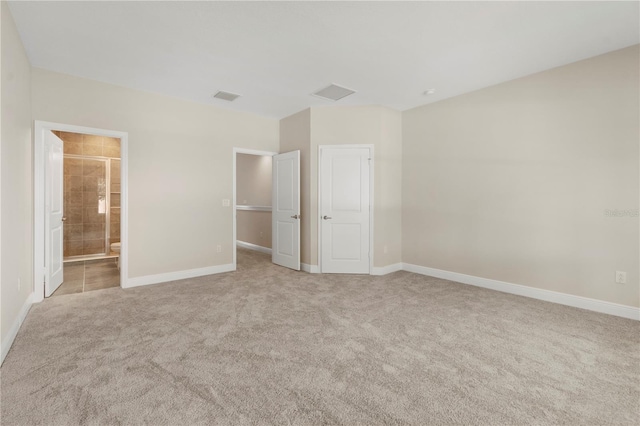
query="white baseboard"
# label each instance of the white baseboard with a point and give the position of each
(312, 269)
(255, 247)
(384, 270)
(178, 275)
(535, 293)
(15, 327)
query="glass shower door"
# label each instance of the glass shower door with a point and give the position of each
(86, 208)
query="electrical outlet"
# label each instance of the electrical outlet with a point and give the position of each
(219, 248)
(621, 277)
(226, 202)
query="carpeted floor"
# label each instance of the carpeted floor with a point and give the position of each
(265, 345)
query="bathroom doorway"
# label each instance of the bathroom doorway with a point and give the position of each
(91, 184)
(252, 202)
(94, 209)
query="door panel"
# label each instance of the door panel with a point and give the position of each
(345, 182)
(53, 212)
(342, 235)
(285, 235)
(345, 210)
(286, 210)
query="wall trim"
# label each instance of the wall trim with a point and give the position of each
(384, 270)
(178, 275)
(601, 306)
(254, 208)
(312, 269)
(15, 327)
(255, 247)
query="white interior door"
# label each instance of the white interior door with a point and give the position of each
(345, 210)
(53, 212)
(285, 221)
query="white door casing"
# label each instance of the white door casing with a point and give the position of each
(345, 210)
(285, 219)
(54, 193)
(40, 177)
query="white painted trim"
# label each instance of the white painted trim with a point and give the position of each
(384, 270)
(39, 273)
(254, 152)
(15, 327)
(312, 269)
(178, 275)
(234, 201)
(254, 208)
(532, 292)
(371, 198)
(254, 247)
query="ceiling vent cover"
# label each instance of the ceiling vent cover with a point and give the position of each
(226, 96)
(334, 92)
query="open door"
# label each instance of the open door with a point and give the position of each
(345, 211)
(285, 220)
(53, 212)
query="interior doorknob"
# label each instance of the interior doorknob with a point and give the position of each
(325, 217)
(295, 216)
(64, 218)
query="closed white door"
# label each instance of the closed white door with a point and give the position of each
(53, 212)
(345, 210)
(285, 221)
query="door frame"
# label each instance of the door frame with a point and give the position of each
(234, 201)
(40, 127)
(370, 147)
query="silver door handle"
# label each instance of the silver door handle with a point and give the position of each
(64, 218)
(325, 217)
(296, 216)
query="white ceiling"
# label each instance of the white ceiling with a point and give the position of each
(277, 54)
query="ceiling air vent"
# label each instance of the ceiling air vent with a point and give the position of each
(226, 96)
(334, 92)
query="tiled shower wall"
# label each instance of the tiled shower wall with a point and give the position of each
(84, 187)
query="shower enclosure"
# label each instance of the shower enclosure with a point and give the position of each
(91, 205)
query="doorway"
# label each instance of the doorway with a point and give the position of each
(266, 205)
(252, 174)
(345, 206)
(92, 189)
(93, 182)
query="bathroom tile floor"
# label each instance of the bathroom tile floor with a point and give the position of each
(89, 275)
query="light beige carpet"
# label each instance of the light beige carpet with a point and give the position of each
(266, 345)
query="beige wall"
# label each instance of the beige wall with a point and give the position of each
(254, 227)
(16, 184)
(253, 180)
(512, 182)
(253, 188)
(382, 128)
(295, 134)
(180, 165)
